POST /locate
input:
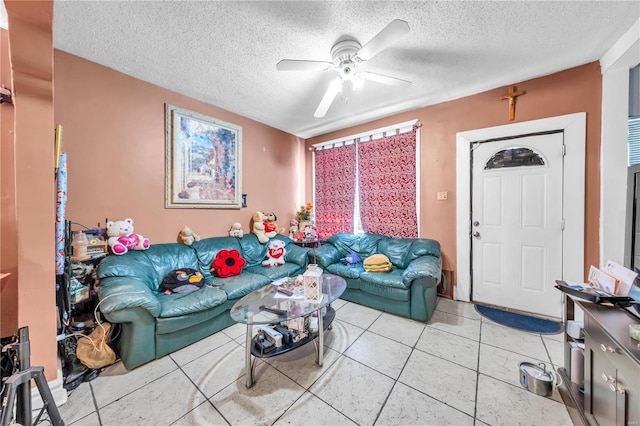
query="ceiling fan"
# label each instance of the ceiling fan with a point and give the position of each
(346, 55)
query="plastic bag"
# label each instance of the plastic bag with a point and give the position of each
(93, 350)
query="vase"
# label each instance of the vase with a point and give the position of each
(303, 224)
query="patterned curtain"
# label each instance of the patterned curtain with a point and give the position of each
(387, 169)
(335, 190)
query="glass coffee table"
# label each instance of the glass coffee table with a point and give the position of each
(250, 310)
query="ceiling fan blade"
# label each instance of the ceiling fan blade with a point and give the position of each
(384, 79)
(296, 65)
(327, 99)
(385, 38)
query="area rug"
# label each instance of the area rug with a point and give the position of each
(520, 321)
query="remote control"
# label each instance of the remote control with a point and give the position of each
(273, 310)
(284, 291)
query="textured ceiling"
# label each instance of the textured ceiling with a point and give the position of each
(225, 52)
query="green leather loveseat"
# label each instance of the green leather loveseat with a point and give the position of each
(409, 289)
(154, 324)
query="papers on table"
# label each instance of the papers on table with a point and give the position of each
(613, 279)
(625, 276)
(280, 281)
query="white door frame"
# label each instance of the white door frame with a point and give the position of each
(574, 128)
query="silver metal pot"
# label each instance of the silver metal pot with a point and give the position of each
(536, 378)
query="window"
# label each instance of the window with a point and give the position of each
(514, 157)
(378, 178)
(634, 141)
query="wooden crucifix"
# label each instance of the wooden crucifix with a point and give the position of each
(512, 95)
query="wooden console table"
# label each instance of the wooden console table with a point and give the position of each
(611, 393)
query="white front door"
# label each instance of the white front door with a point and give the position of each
(516, 211)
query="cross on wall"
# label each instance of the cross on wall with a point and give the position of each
(512, 95)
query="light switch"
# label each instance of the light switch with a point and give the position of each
(442, 195)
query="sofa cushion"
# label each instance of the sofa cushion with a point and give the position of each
(398, 250)
(275, 272)
(363, 245)
(180, 304)
(177, 324)
(207, 249)
(392, 278)
(253, 251)
(345, 271)
(150, 265)
(240, 285)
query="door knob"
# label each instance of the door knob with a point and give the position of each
(476, 234)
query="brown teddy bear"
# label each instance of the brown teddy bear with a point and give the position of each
(187, 236)
(270, 224)
(257, 227)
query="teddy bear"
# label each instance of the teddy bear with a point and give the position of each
(122, 239)
(275, 253)
(270, 226)
(257, 227)
(236, 230)
(187, 236)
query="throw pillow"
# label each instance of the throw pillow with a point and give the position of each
(377, 263)
(184, 280)
(227, 263)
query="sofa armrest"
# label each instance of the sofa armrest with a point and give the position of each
(118, 293)
(296, 254)
(327, 255)
(424, 266)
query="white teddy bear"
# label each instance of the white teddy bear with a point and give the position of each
(275, 253)
(236, 230)
(122, 239)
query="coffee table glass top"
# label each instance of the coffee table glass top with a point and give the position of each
(248, 308)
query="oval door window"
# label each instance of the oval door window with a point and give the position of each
(516, 156)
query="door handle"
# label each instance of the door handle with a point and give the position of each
(476, 234)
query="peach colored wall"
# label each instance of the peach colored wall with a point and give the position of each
(31, 50)
(114, 136)
(573, 90)
(8, 226)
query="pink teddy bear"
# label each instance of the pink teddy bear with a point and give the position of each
(122, 239)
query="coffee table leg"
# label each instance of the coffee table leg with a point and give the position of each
(320, 353)
(247, 355)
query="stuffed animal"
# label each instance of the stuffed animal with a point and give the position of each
(275, 253)
(310, 233)
(122, 239)
(270, 225)
(350, 259)
(236, 230)
(293, 228)
(257, 227)
(187, 236)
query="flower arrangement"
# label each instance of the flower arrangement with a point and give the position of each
(304, 213)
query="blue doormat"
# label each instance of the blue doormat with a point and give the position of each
(520, 321)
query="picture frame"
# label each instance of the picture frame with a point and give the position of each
(203, 161)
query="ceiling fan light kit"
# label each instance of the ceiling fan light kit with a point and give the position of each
(346, 55)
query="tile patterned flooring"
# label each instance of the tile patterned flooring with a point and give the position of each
(458, 369)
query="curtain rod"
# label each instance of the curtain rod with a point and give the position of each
(348, 140)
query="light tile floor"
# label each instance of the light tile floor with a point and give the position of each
(458, 369)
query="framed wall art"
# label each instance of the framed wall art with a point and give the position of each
(203, 161)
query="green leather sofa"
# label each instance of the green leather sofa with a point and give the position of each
(154, 324)
(409, 289)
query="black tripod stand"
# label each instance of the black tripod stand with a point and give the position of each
(18, 387)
